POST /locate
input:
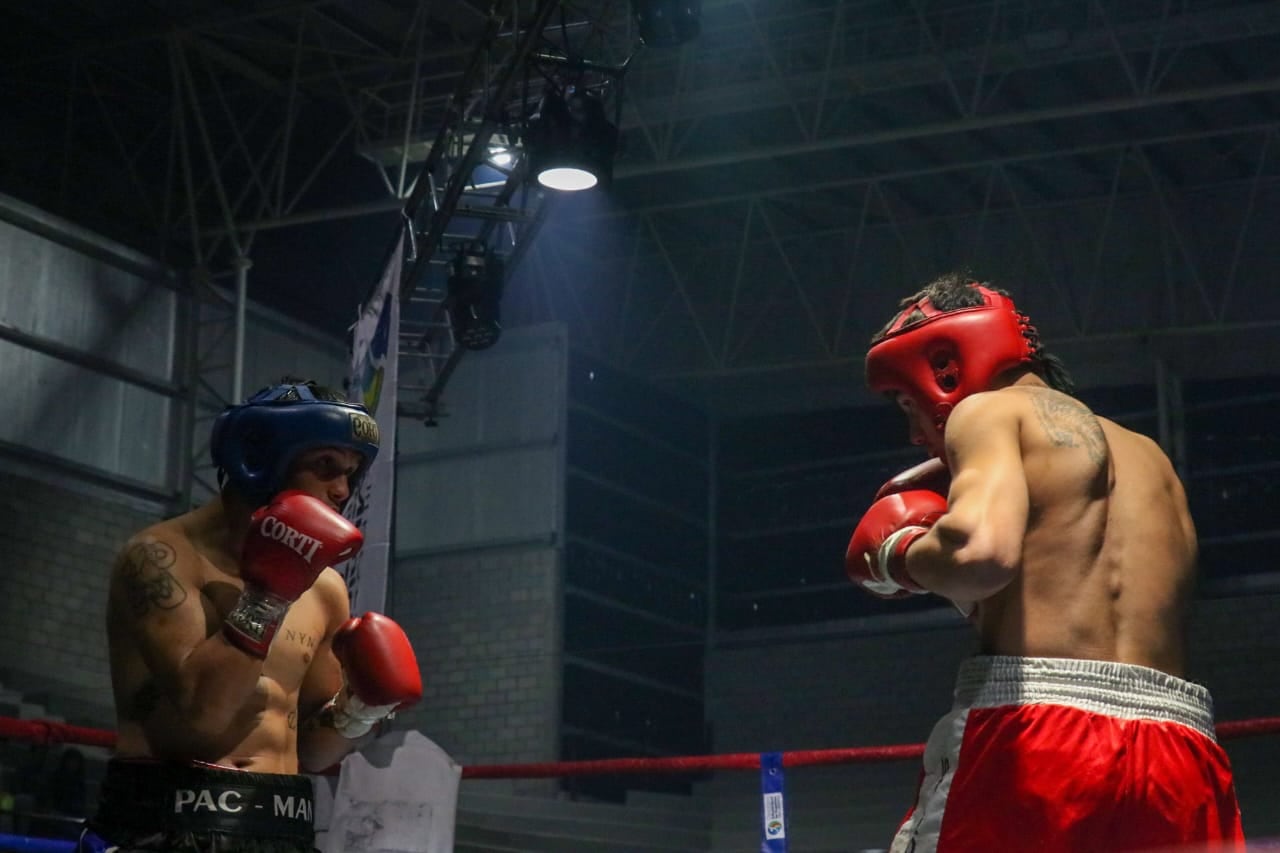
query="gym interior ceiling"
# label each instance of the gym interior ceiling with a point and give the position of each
(782, 179)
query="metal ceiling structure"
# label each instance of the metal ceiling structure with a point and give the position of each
(784, 178)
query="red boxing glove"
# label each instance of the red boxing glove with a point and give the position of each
(931, 474)
(289, 543)
(379, 670)
(877, 555)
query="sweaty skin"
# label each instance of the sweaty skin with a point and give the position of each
(1070, 532)
(181, 690)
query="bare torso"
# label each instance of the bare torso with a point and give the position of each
(1109, 557)
(191, 551)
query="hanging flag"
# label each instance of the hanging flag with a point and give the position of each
(372, 383)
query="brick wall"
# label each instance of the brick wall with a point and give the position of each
(485, 627)
(59, 542)
(886, 688)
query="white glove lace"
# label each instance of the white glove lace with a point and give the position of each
(352, 718)
(879, 567)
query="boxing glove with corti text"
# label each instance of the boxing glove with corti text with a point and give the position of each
(290, 542)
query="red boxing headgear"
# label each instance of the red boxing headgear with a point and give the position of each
(946, 356)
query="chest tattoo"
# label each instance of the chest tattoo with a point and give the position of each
(302, 638)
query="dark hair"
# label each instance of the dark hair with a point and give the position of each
(955, 290)
(320, 392)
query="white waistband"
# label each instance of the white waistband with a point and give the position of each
(1119, 690)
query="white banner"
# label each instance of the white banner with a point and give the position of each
(374, 359)
(399, 794)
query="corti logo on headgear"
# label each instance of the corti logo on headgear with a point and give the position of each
(305, 546)
(364, 428)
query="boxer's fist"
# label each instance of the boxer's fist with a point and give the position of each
(379, 670)
(931, 474)
(876, 558)
(289, 543)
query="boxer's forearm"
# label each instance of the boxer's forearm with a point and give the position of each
(215, 683)
(956, 567)
(320, 745)
(974, 550)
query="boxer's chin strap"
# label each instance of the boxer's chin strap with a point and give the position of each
(352, 718)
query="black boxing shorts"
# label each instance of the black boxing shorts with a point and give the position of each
(148, 805)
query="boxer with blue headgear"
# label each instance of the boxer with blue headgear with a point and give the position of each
(236, 664)
(255, 443)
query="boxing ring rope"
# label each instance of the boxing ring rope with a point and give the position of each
(50, 732)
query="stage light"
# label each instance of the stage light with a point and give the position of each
(474, 297)
(571, 144)
(567, 178)
(667, 23)
(502, 150)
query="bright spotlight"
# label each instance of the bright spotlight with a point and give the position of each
(567, 179)
(571, 144)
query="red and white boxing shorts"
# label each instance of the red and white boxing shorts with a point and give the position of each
(1052, 754)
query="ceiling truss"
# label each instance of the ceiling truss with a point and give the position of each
(784, 177)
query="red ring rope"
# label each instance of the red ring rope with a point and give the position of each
(46, 732)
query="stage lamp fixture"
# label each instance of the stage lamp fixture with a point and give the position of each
(501, 150)
(667, 23)
(571, 143)
(474, 297)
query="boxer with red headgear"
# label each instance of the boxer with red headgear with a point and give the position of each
(235, 662)
(1067, 540)
(938, 358)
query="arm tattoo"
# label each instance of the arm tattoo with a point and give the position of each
(146, 580)
(1069, 424)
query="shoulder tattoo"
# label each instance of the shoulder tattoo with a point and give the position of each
(1069, 423)
(146, 578)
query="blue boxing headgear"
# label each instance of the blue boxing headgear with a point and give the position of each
(255, 442)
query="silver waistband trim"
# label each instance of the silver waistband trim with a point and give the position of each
(1119, 690)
